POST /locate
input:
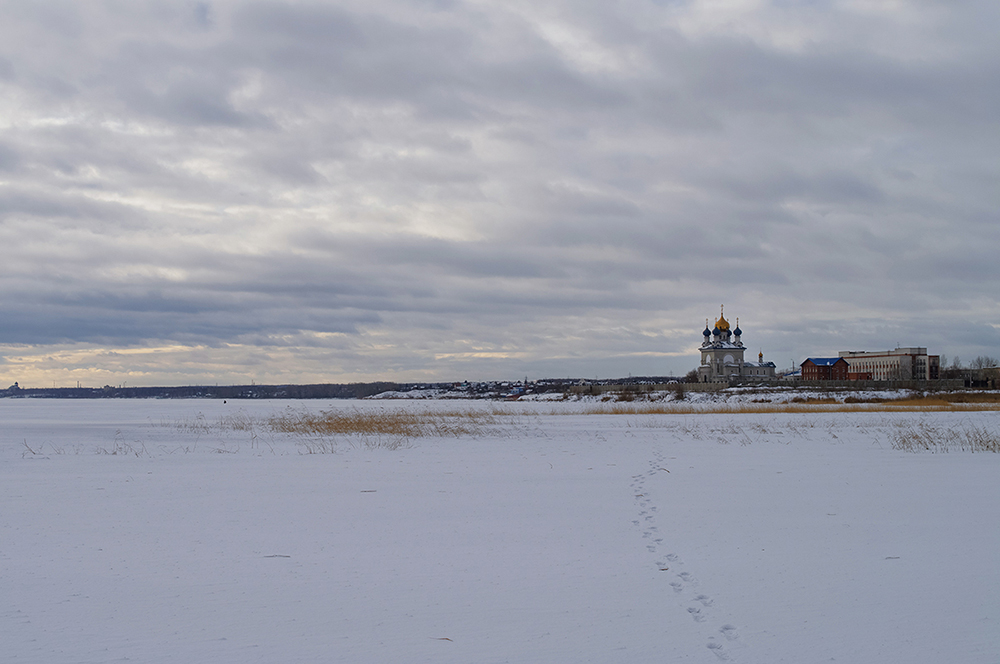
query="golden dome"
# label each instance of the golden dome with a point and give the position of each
(722, 323)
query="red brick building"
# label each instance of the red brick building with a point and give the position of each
(825, 368)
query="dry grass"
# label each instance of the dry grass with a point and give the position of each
(406, 423)
(804, 406)
(936, 399)
(925, 437)
(322, 432)
(389, 429)
(970, 397)
(318, 432)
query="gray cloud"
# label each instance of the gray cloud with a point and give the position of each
(452, 190)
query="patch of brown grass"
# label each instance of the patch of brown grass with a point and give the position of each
(919, 403)
(971, 397)
(814, 400)
(319, 432)
(810, 406)
(403, 423)
(935, 399)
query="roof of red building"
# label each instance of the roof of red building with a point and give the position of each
(825, 361)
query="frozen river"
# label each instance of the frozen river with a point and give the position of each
(193, 531)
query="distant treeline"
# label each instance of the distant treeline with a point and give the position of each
(476, 390)
(322, 391)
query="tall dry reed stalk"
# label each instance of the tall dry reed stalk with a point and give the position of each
(924, 436)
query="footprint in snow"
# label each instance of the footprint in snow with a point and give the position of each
(704, 599)
(729, 631)
(696, 614)
(717, 649)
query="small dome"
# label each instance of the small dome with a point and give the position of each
(737, 331)
(707, 332)
(716, 331)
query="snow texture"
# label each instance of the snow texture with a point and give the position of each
(144, 531)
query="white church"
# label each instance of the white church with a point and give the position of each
(722, 355)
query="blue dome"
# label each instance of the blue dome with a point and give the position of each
(716, 331)
(706, 332)
(737, 331)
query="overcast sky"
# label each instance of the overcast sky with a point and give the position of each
(220, 192)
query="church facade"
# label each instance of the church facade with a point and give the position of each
(722, 352)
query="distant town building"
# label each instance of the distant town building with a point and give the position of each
(901, 364)
(825, 368)
(722, 355)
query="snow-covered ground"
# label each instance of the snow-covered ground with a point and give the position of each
(145, 531)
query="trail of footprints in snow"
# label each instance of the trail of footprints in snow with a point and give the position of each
(681, 580)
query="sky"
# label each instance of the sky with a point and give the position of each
(436, 190)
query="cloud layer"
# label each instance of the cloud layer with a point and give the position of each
(214, 191)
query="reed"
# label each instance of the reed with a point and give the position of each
(805, 406)
(404, 423)
(925, 437)
(319, 432)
